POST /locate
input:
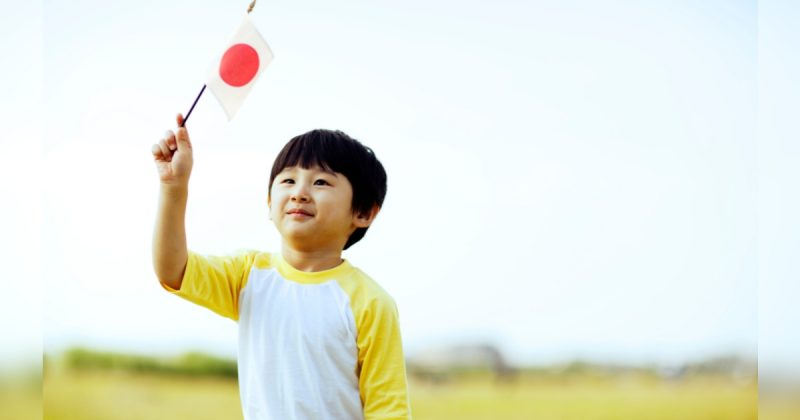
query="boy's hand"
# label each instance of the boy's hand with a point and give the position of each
(173, 156)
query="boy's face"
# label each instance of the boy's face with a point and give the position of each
(312, 208)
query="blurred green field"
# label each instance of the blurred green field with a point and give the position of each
(21, 397)
(112, 395)
(117, 395)
(779, 408)
(588, 398)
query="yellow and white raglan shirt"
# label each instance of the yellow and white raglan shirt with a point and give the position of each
(312, 345)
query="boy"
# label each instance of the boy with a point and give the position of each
(318, 339)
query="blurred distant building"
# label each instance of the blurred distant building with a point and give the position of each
(440, 363)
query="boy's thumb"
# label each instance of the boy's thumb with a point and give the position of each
(182, 135)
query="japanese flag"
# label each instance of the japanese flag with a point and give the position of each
(234, 74)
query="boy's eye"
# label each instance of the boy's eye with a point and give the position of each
(287, 181)
(321, 182)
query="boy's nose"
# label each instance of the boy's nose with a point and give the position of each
(300, 195)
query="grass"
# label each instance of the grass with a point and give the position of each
(588, 398)
(21, 397)
(112, 395)
(118, 395)
(781, 404)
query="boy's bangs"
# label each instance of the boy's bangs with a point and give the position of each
(307, 152)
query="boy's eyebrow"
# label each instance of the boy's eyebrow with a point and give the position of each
(315, 168)
(326, 170)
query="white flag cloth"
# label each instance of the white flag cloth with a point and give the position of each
(237, 69)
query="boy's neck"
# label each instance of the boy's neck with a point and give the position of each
(314, 260)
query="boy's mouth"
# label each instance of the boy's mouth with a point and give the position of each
(299, 212)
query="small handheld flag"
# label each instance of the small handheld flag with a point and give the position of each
(235, 72)
(243, 61)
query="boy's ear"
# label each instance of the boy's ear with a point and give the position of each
(362, 220)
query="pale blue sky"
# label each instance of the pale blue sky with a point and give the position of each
(565, 179)
(778, 190)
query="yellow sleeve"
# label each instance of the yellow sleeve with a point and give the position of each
(215, 282)
(381, 365)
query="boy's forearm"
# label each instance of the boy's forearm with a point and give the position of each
(169, 238)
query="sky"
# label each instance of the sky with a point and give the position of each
(778, 192)
(566, 179)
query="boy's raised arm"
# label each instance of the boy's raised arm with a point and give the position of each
(173, 158)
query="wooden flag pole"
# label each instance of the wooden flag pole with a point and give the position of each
(249, 9)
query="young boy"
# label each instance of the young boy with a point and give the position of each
(318, 338)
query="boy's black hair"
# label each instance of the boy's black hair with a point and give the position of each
(336, 151)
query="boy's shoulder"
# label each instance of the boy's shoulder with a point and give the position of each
(243, 258)
(263, 259)
(364, 291)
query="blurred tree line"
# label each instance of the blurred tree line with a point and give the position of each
(188, 364)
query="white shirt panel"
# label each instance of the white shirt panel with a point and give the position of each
(297, 350)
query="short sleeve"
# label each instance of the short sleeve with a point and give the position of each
(215, 282)
(382, 376)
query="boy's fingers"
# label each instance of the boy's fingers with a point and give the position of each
(172, 144)
(169, 138)
(165, 149)
(179, 120)
(156, 150)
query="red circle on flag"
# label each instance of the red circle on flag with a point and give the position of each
(239, 65)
